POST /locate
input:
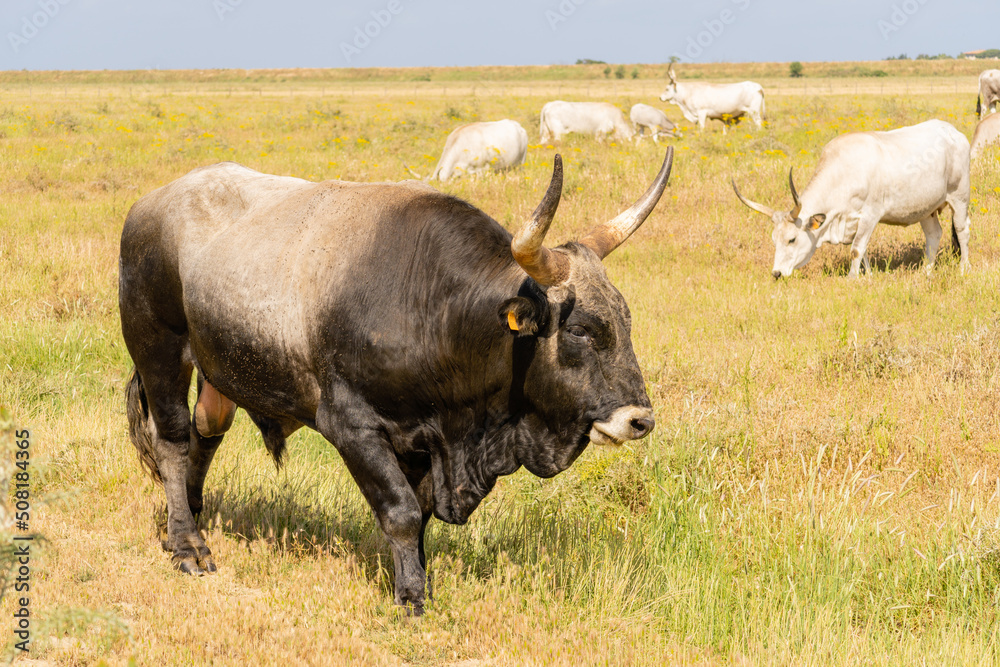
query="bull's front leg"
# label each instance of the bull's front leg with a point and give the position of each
(355, 429)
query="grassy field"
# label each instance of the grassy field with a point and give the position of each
(822, 486)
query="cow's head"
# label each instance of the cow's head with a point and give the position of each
(582, 380)
(669, 93)
(795, 239)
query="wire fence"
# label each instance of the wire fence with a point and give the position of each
(967, 85)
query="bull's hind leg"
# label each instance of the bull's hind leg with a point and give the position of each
(160, 424)
(213, 416)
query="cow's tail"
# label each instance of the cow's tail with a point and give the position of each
(956, 247)
(140, 428)
(763, 107)
(979, 105)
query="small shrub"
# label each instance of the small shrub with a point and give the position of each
(620, 72)
(607, 72)
(795, 70)
(635, 73)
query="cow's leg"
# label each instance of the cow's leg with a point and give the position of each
(859, 247)
(213, 415)
(355, 429)
(932, 239)
(702, 117)
(960, 221)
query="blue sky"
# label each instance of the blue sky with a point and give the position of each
(170, 34)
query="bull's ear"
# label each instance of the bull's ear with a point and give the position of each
(817, 220)
(521, 316)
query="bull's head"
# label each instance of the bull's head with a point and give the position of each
(583, 379)
(795, 239)
(669, 94)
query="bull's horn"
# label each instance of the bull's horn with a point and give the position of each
(603, 239)
(671, 74)
(543, 265)
(413, 173)
(760, 208)
(795, 196)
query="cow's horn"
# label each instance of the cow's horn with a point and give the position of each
(545, 266)
(605, 238)
(671, 74)
(795, 196)
(760, 208)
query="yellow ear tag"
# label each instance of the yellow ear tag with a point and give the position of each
(512, 321)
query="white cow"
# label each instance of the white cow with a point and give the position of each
(727, 102)
(987, 132)
(989, 92)
(597, 118)
(645, 117)
(479, 147)
(900, 177)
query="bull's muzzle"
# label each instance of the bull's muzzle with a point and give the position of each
(776, 273)
(628, 423)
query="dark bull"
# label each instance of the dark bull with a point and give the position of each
(434, 351)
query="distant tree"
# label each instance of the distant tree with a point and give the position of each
(635, 73)
(588, 61)
(620, 72)
(989, 53)
(674, 59)
(795, 70)
(607, 72)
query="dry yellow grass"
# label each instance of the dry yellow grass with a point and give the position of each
(821, 486)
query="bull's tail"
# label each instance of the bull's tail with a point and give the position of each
(979, 105)
(763, 107)
(956, 247)
(140, 428)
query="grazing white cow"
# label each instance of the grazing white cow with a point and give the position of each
(900, 177)
(989, 92)
(479, 147)
(728, 102)
(987, 132)
(645, 117)
(597, 118)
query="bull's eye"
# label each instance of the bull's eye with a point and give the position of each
(576, 331)
(791, 240)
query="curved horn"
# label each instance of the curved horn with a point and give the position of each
(603, 239)
(544, 266)
(671, 74)
(760, 208)
(795, 196)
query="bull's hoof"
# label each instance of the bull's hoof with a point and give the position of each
(195, 563)
(207, 564)
(188, 565)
